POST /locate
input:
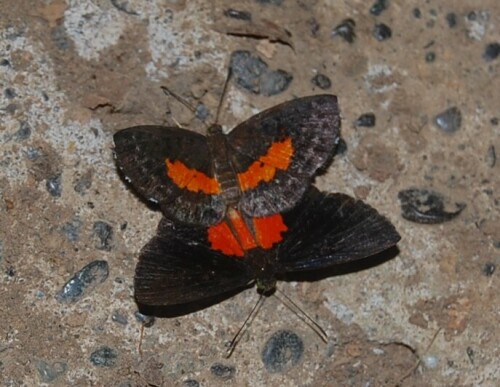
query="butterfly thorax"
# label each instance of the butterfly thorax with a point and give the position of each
(222, 166)
(263, 270)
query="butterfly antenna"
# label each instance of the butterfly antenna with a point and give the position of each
(222, 96)
(182, 101)
(291, 305)
(244, 327)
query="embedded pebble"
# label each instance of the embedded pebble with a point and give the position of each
(104, 357)
(282, 351)
(9, 93)
(491, 51)
(450, 120)
(23, 132)
(119, 318)
(488, 269)
(470, 354)
(491, 156)
(417, 13)
(382, 32)
(50, 372)
(314, 26)
(222, 371)
(425, 206)
(341, 147)
(147, 321)
(253, 74)
(202, 112)
(367, 119)
(240, 15)
(322, 81)
(103, 233)
(84, 281)
(72, 229)
(430, 361)
(53, 185)
(378, 7)
(191, 383)
(60, 38)
(451, 19)
(346, 30)
(430, 57)
(123, 6)
(272, 2)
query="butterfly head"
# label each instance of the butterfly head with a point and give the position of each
(214, 130)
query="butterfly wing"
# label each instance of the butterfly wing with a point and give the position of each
(328, 229)
(277, 153)
(171, 167)
(178, 267)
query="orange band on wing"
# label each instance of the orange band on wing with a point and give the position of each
(221, 238)
(278, 156)
(191, 179)
(268, 230)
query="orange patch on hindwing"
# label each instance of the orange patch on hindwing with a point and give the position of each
(191, 179)
(267, 232)
(278, 156)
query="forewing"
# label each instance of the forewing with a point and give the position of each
(178, 267)
(328, 229)
(313, 126)
(141, 154)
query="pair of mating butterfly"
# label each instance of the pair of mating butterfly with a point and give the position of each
(240, 208)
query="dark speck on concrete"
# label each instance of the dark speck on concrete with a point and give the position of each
(72, 229)
(282, 351)
(367, 120)
(491, 51)
(346, 30)
(321, 81)
(491, 156)
(202, 112)
(10, 271)
(253, 74)
(147, 321)
(314, 26)
(33, 153)
(83, 183)
(341, 147)
(191, 383)
(53, 185)
(240, 15)
(425, 206)
(494, 121)
(488, 269)
(5, 63)
(104, 357)
(449, 120)
(24, 131)
(430, 57)
(451, 19)
(272, 2)
(382, 32)
(119, 318)
(222, 371)
(123, 6)
(59, 37)
(50, 372)
(9, 93)
(84, 281)
(378, 7)
(416, 13)
(103, 233)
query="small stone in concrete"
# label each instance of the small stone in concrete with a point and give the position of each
(84, 281)
(9, 93)
(378, 7)
(322, 81)
(119, 318)
(346, 30)
(24, 132)
(488, 269)
(53, 185)
(491, 52)
(450, 120)
(425, 206)
(430, 361)
(236, 14)
(247, 70)
(72, 229)
(282, 351)
(491, 156)
(191, 383)
(50, 372)
(104, 357)
(275, 82)
(341, 147)
(222, 371)
(366, 119)
(382, 32)
(103, 233)
(202, 112)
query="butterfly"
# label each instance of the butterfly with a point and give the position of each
(263, 166)
(182, 264)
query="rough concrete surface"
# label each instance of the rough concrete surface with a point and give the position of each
(74, 72)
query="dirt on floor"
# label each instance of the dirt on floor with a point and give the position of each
(418, 89)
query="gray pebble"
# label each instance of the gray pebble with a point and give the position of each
(450, 120)
(50, 372)
(103, 233)
(282, 351)
(491, 52)
(491, 156)
(321, 81)
(191, 383)
(104, 357)
(72, 229)
(119, 318)
(84, 281)
(382, 32)
(222, 371)
(53, 185)
(24, 132)
(275, 82)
